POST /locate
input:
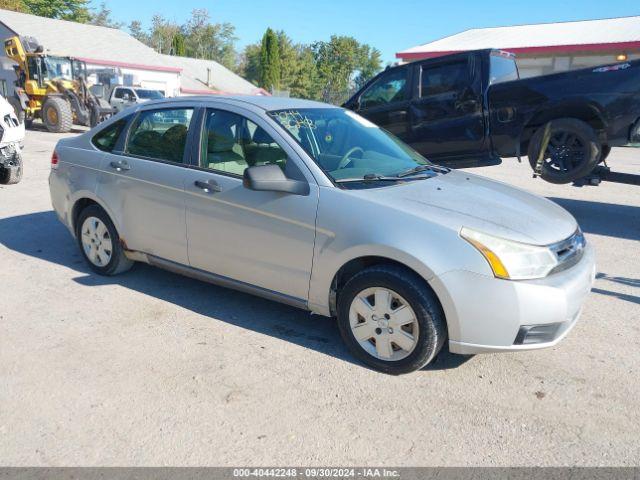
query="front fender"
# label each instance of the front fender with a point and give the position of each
(352, 228)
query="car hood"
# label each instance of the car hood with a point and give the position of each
(460, 199)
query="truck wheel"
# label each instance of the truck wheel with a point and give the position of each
(572, 152)
(57, 115)
(390, 319)
(11, 173)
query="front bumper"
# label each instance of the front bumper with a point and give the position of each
(489, 313)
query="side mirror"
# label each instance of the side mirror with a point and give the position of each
(271, 178)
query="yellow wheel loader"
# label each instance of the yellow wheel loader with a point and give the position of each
(52, 88)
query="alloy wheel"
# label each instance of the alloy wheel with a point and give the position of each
(565, 152)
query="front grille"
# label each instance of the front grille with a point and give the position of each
(569, 251)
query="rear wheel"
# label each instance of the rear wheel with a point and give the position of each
(57, 115)
(390, 319)
(100, 243)
(572, 151)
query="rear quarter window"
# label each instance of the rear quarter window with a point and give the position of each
(503, 69)
(107, 138)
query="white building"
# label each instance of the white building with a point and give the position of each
(546, 48)
(130, 61)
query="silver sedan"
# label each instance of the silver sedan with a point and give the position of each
(312, 205)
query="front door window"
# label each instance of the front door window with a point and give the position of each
(231, 143)
(389, 88)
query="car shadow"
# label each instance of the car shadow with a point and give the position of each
(42, 236)
(607, 219)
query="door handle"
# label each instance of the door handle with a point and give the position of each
(120, 166)
(210, 186)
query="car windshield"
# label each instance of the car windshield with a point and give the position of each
(347, 146)
(149, 94)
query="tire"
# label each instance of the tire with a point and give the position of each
(406, 289)
(116, 262)
(56, 115)
(12, 173)
(572, 153)
(94, 118)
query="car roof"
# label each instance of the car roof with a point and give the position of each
(262, 102)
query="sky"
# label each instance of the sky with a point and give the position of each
(388, 25)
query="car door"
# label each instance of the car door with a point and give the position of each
(386, 101)
(261, 238)
(129, 97)
(447, 115)
(117, 99)
(143, 182)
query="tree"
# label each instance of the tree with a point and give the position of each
(210, 41)
(177, 46)
(343, 63)
(306, 82)
(74, 10)
(136, 31)
(14, 5)
(369, 63)
(249, 66)
(162, 34)
(270, 61)
(102, 17)
(288, 60)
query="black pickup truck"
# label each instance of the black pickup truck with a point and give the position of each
(472, 109)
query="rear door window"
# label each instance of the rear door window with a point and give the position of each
(107, 138)
(160, 134)
(443, 79)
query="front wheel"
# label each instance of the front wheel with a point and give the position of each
(572, 150)
(57, 115)
(390, 319)
(11, 172)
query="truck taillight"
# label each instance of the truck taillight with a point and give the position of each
(54, 160)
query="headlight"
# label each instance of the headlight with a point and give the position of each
(509, 259)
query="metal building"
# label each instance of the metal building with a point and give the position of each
(546, 48)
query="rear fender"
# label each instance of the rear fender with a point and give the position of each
(587, 111)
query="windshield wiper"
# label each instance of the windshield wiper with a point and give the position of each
(369, 177)
(423, 168)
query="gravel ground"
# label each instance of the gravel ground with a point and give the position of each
(151, 368)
